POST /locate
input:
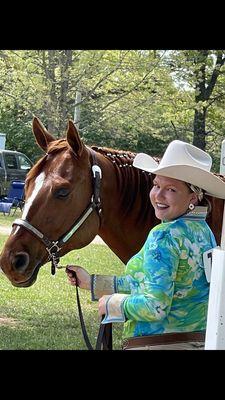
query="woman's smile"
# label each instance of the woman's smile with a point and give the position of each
(159, 205)
(170, 198)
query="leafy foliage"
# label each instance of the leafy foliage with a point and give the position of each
(130, 99)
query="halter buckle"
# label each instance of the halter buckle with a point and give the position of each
(54, 249)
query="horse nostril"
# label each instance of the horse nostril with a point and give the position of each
(21, 261)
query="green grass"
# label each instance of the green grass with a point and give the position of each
(6, 220)
(44, 316)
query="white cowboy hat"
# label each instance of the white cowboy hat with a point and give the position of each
(187, 163)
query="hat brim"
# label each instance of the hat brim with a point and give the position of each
(213, 185)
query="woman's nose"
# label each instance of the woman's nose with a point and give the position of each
(160, 194)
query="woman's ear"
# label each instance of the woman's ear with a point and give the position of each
(194, 198)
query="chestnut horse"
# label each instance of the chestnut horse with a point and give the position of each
(74, 193)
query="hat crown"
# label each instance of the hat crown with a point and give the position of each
(185, 162)
(181, 153)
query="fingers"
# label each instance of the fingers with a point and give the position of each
(72, 280)
(79, 276)
(71, 268)
(71, 274)
(102, 305)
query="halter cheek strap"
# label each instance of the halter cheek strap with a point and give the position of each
(53, 247)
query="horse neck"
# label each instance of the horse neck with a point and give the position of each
(127, 214)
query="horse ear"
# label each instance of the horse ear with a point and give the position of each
(74, 139)
(43, 137)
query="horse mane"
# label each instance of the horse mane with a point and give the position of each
(119, 157)
(132, 182)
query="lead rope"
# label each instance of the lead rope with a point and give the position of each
(104, 339)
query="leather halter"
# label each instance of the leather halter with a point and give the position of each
(53, 247)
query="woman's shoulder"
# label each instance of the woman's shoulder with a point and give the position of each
(166, 226)
(167, 235)
(169, 228)
(180, 228)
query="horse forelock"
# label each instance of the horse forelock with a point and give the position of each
(54, 147)
(57, 145)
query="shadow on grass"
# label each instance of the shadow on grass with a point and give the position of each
(58, 331)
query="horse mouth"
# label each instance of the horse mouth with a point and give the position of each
(30, 281)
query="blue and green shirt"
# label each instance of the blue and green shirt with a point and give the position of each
(165, 284)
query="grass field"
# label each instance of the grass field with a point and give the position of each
(6, 220)
(44, 316)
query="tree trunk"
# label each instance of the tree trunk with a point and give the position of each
(50, 72)
(77, 109)
(65, 63)
(203, 92)
(200, 61)
(199, 139)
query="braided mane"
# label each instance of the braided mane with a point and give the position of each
(133, 184)
(119, 157)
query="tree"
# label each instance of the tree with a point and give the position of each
(130, 99)
(202, 71)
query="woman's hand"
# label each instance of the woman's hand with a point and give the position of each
(82, 279)
(102, 304)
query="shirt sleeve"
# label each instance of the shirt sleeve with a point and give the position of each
(123, 284)
(156, 287)
(107, 284)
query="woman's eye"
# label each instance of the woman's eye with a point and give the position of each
(61, 193)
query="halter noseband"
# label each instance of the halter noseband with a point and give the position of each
(53, 247)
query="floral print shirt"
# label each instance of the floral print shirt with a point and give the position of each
(165, 282)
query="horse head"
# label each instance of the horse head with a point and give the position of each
(58, 189)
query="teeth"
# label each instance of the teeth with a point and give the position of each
(161, 205)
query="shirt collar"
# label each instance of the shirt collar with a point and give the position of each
(199, 213)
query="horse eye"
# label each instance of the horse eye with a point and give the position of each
(61, 193)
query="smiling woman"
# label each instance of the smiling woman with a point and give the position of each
(163, 296)
(171, 198)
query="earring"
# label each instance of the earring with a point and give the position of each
(191, 207)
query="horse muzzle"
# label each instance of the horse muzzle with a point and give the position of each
(20, 261)
(28, 282)
(19, 268)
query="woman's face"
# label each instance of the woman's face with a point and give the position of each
(170, 197)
